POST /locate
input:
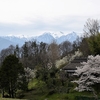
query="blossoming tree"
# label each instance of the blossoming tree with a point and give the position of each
(89, 75)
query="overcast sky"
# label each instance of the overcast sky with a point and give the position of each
(33, 17)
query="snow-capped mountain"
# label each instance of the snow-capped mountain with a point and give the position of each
(57, 34)
(4, 43)
(16, 40)
(47, 37)
(50, 37)
(69, 37)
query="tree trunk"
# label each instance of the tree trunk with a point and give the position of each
(95, 95)
(12, 94)
(2, 92)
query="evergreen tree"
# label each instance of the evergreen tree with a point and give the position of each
(10, 71)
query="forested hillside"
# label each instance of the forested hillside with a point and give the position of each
(35, 70)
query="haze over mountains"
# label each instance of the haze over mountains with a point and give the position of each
(6, 41)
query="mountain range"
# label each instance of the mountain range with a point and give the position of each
(6, 41)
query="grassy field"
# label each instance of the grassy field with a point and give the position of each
(11, 99)
(56, 96)
(37, 93)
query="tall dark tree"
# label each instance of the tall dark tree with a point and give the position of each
(6, 52)
(17, 51)
(91, 27)
(84, 47)
(94, 44)
(91, 31)
(53, 52)
(65, 48)
(25, 50)
(9, 75)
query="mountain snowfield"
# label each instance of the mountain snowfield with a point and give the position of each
(47, 37)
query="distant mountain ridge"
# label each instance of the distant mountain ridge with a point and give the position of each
(47, 37)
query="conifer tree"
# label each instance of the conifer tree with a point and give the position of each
(10, 71)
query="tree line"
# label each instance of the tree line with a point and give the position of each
(18, 65)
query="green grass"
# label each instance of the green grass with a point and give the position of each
(37, 95)
(11, 99)
(38, 91)
(65, 96)
(32, 84)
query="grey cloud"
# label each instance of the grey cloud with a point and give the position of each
(65, 24)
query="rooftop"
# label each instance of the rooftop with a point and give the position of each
(75, 63)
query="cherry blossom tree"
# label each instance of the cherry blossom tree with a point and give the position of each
(67, 59)
(29, 73)
(89, 75)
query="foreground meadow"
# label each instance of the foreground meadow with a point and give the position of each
(11, 99)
